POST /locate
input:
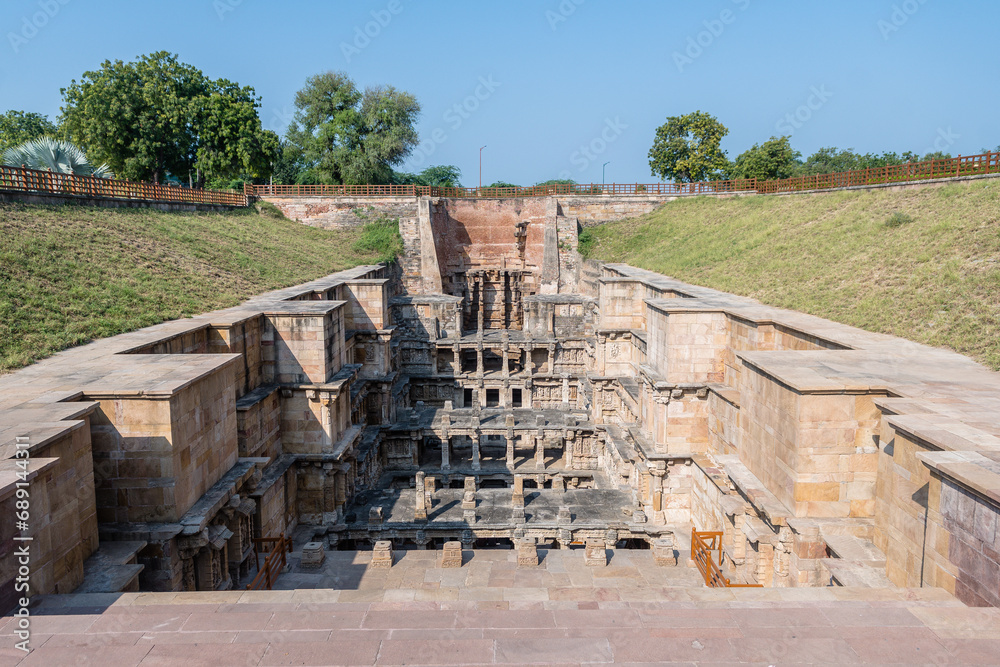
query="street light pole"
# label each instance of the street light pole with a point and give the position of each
(602, 173)
(481, 167)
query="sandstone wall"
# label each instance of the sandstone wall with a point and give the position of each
(343, 212)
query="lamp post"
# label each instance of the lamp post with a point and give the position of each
(481, 167)
(602, 174)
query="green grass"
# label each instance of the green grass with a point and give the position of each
(380, 238)
(920, 263)
(71, 274)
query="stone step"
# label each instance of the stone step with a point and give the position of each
(838, 625)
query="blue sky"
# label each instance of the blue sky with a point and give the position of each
(555, 88)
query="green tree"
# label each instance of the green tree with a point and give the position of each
(439, 175)
(831, 159)
(773, 159)
(686, 148)
(158, 116)
(348, 136)
(17, 127)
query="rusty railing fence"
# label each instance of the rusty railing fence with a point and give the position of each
(21, 179)
(703, 544)
(274, 561)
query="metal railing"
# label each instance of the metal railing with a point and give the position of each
(706, 187)
(971, 165)
(274, 561)
(22, 179)
(703, 544)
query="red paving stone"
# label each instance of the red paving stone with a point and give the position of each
(700, 627)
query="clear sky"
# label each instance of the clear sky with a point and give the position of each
(555, 88)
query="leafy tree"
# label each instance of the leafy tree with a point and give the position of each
(937, 155)
(158, 116)
(440, 175)
(557, 181)
(773, 159)
(686, 148)
(830, 159)
(17, 127)
(48, 154)
(346, 136)
(502, 184)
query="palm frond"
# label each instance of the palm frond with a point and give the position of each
(48, 154)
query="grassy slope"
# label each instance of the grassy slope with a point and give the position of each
(70, 274)
(934, 280)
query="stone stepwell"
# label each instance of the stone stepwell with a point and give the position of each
(495, 432)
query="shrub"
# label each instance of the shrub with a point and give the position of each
(380, 237)
(586, 243)
(898, 219)
(269, 210)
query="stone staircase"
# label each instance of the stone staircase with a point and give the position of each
(493, 611)
(333, 627)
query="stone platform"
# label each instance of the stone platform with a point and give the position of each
(489, 611)
(683, 626)
(491, 574)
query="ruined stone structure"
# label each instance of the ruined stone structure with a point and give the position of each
(495, 390)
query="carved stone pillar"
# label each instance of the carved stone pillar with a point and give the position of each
(505, 370)
(602, 340)
(551, 364)
(340, 493)
(659, 474)
(445, 450)
(540, 453)
(565, 389)
(479, 359)
(329, 494)
(517, 494)
(458, 359)
(420, 509)
(476, 445)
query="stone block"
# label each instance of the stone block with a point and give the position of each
(594, 553)
(451, 555)
(382, 555)
(313, 555)
(527, 553)
(663, 552)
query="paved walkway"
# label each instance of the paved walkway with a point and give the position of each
(492, 574)
(491, 613)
